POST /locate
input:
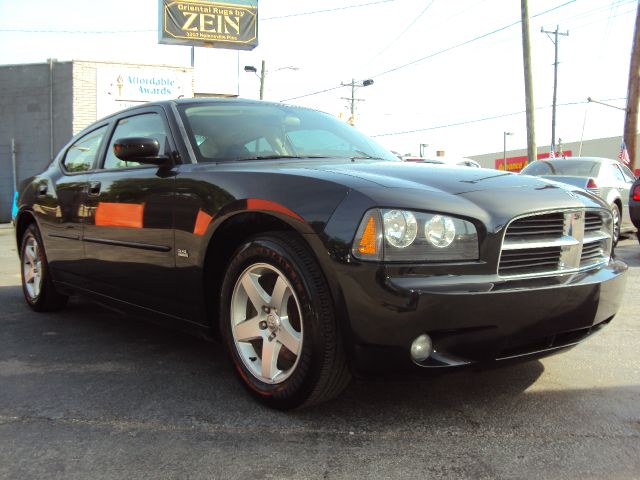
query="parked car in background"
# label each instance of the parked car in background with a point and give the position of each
(310, 251)
(606, 178)
(634, 206)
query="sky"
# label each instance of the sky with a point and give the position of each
(446, 73)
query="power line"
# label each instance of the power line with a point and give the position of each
(388, 134)
(479, 37)
(327, 10)
(312, 93)
(404, 31)
(436, 53)
(484, 119)
(83, 32)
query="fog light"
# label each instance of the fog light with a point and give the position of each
(421, 348)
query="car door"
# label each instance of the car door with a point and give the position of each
(61, 206)
(129, 240)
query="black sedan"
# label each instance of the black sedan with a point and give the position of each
(310, 251)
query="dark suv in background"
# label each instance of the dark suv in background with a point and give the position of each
(634, 206)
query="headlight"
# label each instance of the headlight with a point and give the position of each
(400, 228)
(395, 235)
(440, 231)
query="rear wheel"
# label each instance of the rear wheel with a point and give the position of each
(277, 320)
(38, 287)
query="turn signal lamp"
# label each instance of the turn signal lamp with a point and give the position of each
(636, 193)
(368, 244)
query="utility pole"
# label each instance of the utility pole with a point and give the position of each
(263, 73)
(631, 118)
(555, 80)
(352, 99)
(532, 151)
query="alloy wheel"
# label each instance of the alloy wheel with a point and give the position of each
(266, 322)
(32, 268)
(616, 223)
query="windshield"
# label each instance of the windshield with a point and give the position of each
(568, 168)
(228, 131)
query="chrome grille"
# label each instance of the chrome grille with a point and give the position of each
(539, 225)
(592, 222)
(530, 259)
(591, 251)
(555, 243)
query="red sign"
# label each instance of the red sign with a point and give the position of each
(515, 164)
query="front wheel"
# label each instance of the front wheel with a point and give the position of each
(277, 320)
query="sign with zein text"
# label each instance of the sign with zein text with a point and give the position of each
(202, 23)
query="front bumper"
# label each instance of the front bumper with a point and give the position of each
(472, 319)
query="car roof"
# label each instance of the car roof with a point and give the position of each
(183, 101)
(589, 159)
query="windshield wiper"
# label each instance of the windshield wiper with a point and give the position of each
(364, 156)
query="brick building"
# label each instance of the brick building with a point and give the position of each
(44, 105)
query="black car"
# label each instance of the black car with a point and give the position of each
(634, 206)
(308, 250)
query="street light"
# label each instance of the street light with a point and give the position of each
(504, 150)
(263, 74)
(593, 100)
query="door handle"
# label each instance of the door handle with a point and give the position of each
(94, 188)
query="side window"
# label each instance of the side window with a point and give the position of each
(628, 174)
(80, 155)
(616, 174)
(145, 125)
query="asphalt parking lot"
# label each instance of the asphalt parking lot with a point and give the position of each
(86, 393)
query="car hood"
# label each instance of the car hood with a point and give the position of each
(450, 179)
(464, 191)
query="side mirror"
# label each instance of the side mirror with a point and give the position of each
(143, 150)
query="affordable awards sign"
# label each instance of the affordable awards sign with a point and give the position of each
(209, 24)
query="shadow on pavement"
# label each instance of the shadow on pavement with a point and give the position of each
(88, 345)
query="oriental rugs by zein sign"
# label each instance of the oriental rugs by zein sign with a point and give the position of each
(209, 24)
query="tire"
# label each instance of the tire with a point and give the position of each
(37, 285)
(287, 350)
(617, 220)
